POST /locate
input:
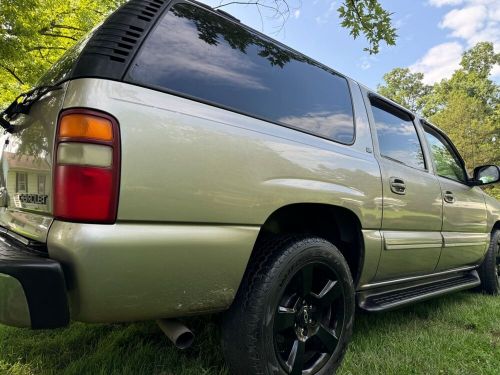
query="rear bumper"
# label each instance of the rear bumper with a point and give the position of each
(32, 288)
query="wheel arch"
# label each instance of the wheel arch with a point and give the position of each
(496, 226)
(336, 224)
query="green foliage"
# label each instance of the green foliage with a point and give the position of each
(35, 33)
(480, 59)
(369, 18)
(466, 106)
(414, 340)
(405, 88)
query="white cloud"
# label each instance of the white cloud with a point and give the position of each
(439, 62)
(496, 71)
(296, 14)
(330, 11)
(470, 22)
(365, 65)
(466, 22)
(474, 21)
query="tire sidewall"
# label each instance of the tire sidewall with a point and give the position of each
(297, 256)
(495, 248)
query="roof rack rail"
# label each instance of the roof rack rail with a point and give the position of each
(206, 6)
(228, 15)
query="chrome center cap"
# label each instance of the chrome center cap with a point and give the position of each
(305, 326)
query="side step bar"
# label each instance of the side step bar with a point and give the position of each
(400, 295)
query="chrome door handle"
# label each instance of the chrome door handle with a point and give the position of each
(398, 186)
(449, 197)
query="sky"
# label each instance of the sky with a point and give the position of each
(432, 35)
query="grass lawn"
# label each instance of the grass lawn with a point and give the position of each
(458, 334)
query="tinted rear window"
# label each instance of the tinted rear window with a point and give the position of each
(61, 69)
(197, 53)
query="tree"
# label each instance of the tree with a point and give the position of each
(480, 59)
(466, 106)
(405, 88)
(35, 33)
(472, 80)
(366, 17)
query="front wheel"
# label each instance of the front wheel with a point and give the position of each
(294, 311)
(489, 272)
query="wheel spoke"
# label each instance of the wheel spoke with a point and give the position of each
(329, 293)
(295, 360)
(306, 280)
(285, 318)
(328, 338)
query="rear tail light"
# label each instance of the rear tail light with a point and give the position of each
(86, 167)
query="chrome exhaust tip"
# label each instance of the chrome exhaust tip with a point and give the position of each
(180, 335)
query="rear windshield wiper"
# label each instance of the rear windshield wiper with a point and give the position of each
(22, 105)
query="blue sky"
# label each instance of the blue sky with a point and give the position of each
(432, 35)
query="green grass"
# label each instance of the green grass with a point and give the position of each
(458, 334)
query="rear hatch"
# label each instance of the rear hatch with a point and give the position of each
(26, 173)
(26, 177)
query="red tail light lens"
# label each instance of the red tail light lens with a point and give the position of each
(86, 167)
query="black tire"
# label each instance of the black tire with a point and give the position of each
(489, 272)
(276, 314)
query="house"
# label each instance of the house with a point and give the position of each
(28, 181)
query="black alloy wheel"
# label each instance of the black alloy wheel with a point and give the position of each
(294, 311)
(309, 319)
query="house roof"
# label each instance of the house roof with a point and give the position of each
(25, 162)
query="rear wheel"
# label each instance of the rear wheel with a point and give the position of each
(294, 311)
(489, 272)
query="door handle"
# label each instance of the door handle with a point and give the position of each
(398, 186)
(449, 197)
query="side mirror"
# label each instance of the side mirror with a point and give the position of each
(486, 175)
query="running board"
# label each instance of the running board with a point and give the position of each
(377, 300)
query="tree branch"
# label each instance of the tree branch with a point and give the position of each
(356, 10)
(13, 73)
(39, 48)
(276, 8)
(56, 26)
(58, 35)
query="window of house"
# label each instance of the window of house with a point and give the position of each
(397, 136)
(21, 182)
(41, 184)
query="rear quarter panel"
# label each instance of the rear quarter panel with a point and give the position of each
(184, 161)
(197, 182)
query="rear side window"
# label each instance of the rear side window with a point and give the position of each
(199, 54)
(397, 136)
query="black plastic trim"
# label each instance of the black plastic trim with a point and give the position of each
(394, 296)
(42, 280)
(111, 49)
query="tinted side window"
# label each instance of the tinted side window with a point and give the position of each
(397, 135)
(447, 162)
(197, 53)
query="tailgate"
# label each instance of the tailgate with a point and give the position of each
(26, 173)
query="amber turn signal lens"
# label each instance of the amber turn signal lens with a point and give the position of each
(77, 125)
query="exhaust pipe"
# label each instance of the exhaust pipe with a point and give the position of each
(180, 335)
